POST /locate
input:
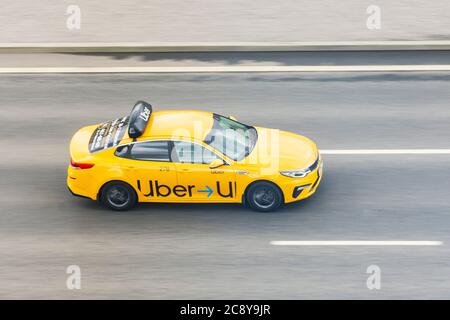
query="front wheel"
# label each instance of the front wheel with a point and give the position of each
(118, 196)
(264, 196)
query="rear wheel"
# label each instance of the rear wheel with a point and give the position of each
(118, 196)
(264, 196)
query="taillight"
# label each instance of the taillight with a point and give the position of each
(81, 165)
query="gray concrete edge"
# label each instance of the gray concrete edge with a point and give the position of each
(222, 46)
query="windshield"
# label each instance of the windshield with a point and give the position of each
(234, 139)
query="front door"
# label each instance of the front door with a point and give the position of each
(202, 183)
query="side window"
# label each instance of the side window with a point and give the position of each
(150, 151)
(122, 151)
(187, 152)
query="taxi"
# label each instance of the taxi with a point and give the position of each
(189, 156)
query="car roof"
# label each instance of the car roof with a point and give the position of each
(193, 124)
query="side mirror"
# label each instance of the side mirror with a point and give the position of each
(216, 163)
(232, 118)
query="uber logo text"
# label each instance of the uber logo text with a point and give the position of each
(155, 189)
(74, 279)
(145, 114)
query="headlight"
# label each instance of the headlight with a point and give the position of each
(301, 173)
(296, 173)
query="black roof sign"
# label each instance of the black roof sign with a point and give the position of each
(139, 117)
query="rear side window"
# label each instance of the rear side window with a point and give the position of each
(150, 151)
(123, 151)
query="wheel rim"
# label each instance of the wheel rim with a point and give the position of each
(264, 197)
(118, 196)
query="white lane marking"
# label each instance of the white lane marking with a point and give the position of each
(356, 243)
(224, 69)
(386, 151)
(224, 46)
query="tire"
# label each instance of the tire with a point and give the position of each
(264, 196)
(118, 196)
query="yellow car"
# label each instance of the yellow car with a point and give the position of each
(190, 157)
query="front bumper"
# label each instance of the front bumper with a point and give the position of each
(301, 188)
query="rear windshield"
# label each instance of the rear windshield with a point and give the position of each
(108, 134)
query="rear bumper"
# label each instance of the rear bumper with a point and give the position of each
(80, 184)
(77, 195)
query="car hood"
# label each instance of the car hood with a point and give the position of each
(282, 150)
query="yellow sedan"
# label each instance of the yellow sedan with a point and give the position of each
(191, 157)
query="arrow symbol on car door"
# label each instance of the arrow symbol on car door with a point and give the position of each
(207, 190)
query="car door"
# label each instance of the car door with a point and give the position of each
(202, 183)
(151, 170)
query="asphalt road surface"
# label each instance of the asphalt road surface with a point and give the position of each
(179, 251)
(214, 59)
(227, 21)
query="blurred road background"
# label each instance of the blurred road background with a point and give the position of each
(226, 21)
(223, 251)
(161, 251)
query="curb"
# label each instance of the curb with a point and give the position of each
(222, 46)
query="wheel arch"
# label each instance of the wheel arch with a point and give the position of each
(99, 193)
(244, 194)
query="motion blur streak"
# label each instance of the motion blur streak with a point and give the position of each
(356, 243)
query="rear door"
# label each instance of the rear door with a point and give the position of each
(149, 167)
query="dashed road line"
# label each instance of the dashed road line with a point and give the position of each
(356, 243)
(384, 151)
